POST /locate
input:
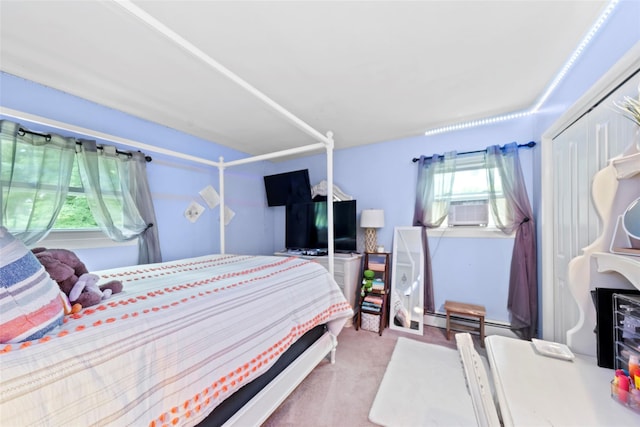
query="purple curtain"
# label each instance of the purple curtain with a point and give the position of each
(433, 193)
(503, 169)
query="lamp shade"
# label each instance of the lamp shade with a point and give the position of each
(372, 218)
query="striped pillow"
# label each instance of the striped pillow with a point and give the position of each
(30, 304)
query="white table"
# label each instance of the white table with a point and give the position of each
(536, 390)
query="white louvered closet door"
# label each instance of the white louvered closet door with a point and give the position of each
(578, 153)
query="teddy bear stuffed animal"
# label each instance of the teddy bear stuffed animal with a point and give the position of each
(73, 278)
(62, 265)
(87, 292)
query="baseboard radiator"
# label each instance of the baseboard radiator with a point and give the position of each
(491, 327)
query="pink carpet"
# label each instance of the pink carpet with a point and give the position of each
(342, 394)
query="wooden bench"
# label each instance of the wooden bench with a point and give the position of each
(467, 313)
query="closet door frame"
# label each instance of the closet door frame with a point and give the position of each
(553, 327)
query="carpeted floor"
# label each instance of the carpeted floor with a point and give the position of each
(342, 394)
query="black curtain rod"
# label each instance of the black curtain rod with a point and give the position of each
(22, 132)
(528, 144)
(47, 137)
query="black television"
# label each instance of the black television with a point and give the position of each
(306, 226)
(287, 188)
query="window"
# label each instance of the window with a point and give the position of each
(470, 185)
(75, 227)
(45, 192)
(470, 180)
(75, 213)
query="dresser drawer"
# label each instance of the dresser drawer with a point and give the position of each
(338, 266)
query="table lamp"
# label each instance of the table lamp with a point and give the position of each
(370, 219)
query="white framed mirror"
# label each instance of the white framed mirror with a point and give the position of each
(407, 277)
(626, 235)
(631, 221)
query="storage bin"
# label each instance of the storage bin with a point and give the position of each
(627, 348)
(630, 399)
(370, 322)
(627, 329)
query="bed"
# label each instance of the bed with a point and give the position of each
(185, 338)
(182, 338)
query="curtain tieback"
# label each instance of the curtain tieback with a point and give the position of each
(526, 219)
(151, 225)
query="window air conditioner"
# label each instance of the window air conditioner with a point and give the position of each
(469, 213)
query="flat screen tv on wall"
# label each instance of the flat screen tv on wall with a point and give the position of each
(306, 226)
(289, 187)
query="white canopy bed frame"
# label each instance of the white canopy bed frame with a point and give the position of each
(324, 141)
(258, 409)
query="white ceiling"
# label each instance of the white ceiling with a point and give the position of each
(368, 71)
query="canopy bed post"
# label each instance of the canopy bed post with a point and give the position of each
(330, 234)
(221, 186)
(326, 143)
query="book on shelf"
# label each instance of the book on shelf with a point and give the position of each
(378, 285)
(376, 266)
(369, 306)
(373, 299)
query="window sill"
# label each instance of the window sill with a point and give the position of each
(469, 232)
(80, 239)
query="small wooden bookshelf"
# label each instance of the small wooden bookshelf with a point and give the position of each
(375, 303)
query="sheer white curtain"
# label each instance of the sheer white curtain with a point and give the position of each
(117, 192)
(35, 171)
(503, 167)
(433, 194)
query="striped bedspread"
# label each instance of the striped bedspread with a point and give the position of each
(179, 339)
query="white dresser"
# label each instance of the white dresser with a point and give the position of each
(346, 272)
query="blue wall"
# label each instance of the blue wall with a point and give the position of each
(174, 182)
(378, 176)
(382, 175)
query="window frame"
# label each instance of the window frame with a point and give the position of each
(469, 231)
(466, 163)
(80, 239)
